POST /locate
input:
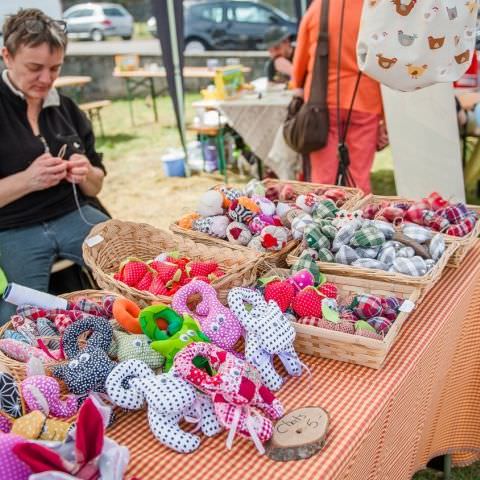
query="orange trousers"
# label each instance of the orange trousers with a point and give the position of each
(362, 144)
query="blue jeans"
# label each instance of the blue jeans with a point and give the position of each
(27, 254)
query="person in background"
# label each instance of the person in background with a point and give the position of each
(40, 220)
(279, 67)
(367, 109)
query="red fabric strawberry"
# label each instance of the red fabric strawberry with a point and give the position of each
(329, 290)
(203, 269)
(168, 272)
(308, 303)
(281, 292)
(216, 274)
(145, 282)
(157, 287)
(133, 271)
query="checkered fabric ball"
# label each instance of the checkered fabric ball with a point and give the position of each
(343, 236)
(406, 252)
(346, 255)
(415, 266)
(370, 263)
(329, 231)
(369, 252)
(368, 237)
(325, 255)
(437, 247)
(386, 228)
(437, 223)
(387, 255)
(307, 262)
(324, 209)
(380, 324)
(315, 238)
(366, 306)
(463, 228)
(415, 213)
(299, 224)
(417, 233)
(371, 210)
(455, 213)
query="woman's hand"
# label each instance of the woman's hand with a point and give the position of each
(78, 168)
(45, 172)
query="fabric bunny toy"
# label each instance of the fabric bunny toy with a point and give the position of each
(217, 322)
(86, 454)
(235, 389)
(89, 367)
(169, 399)
(269, 333)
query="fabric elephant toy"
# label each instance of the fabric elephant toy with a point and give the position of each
(88, 368)
(235, 388)
(269, 333)
(217, 322)
(169, 398)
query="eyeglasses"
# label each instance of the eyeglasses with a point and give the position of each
(39, 25)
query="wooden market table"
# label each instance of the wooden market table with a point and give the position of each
(145, 78)
(75, 82)
(385, 424)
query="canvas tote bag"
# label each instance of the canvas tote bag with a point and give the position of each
(410, 44)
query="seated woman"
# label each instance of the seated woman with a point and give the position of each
(40, 220)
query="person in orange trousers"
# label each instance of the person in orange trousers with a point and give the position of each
(367, 108)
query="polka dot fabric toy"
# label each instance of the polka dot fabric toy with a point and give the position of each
(216, 321)
(268, 333)
(169, 399)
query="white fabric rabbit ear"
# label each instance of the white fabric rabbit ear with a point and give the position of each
(121, 386)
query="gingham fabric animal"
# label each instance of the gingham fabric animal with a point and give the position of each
(410, 44)
(129, 346)
(235, 388)
(169, 399)
(217, 322)
(89, 367)
(269, 333)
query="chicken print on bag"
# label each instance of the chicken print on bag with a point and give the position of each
(385, 62)
(431, 14)
(404, 9)
(416, 71)
(452, 13)
(436, 43)
(406, 40)
(469, 33)
(463, 57)
(471, 5)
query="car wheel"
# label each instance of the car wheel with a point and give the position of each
(126, 37)
(97, 35)
(195, 46)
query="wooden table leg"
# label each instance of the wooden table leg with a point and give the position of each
(154, 98)
(130, 100)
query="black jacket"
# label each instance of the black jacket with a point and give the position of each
(61, 123)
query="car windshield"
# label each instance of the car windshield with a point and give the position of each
(281, 14)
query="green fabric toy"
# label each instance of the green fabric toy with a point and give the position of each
(181, 331)
(3, 281)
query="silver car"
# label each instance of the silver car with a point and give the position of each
(97, 21)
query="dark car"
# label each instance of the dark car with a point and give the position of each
(228, 25)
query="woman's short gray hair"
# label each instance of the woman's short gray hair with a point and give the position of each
(31, 27)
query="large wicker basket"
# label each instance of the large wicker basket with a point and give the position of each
(464, 244)
(19, 369)
(423, 284)
(321, 342)
(120, 240)
(353, 195)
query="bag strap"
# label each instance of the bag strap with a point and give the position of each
(318, 93)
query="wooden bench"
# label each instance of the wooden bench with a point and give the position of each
(93, 110)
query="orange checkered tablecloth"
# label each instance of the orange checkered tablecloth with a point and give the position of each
(385, 424)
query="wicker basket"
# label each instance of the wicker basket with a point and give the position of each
(354, 195)
(19, 369)
(464, 244)
(423, 283)
(321, 342)
(121, 240)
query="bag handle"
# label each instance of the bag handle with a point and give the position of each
(318, 95)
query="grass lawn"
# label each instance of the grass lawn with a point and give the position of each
(136, 189)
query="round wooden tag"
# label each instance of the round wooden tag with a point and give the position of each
(298, 435)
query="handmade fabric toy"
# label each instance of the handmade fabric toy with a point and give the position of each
(274, 238)
(210, 204)
(243, 209)
(85, 454)
(129, 347)
(216, 321)
(42, 392)
(186, 221)
(266, 206)
(299, 224)
(256, 244)
(214, 226)
(235, 389)
(269, 333)
(36, 426)
(229, 194)
(12, 467)
(10, 399)
(126, 314)
(238, 233)
(22, 352)
(180, 331)
(89, 367)
(169, 399)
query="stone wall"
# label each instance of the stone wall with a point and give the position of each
(104, 85)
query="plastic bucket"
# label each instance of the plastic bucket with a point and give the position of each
(174, 164)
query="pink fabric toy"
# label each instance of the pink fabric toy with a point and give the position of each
(235, 389)
(23, 352)
(217, 321)
(12, 467)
